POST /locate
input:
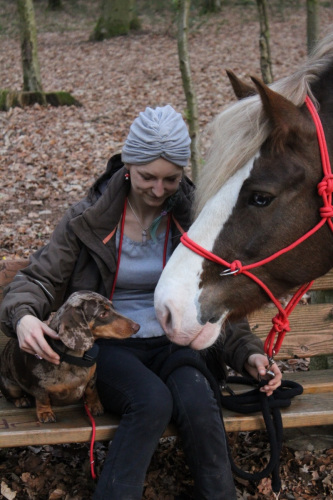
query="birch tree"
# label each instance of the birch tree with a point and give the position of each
(189, 90)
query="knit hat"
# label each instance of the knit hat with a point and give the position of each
(156, 133)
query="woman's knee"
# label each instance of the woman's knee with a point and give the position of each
(155, 405)
(150, 403)
(192, 394)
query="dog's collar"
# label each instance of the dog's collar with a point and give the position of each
(88, 359)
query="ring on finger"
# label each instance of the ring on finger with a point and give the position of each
(38, 356)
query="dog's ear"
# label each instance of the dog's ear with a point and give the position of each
(73, 329)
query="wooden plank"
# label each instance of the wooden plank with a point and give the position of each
(311, 330)
(305, 410)
(8, 269)
(324, 282)
(73, 426)
(312, 381)
(19, 427)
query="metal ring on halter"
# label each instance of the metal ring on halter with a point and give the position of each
(269, 372)
(228, 272)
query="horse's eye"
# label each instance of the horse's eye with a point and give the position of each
(260, 200)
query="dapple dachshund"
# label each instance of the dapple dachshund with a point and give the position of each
(84, 317)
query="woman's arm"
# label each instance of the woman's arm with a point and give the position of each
(39, 288)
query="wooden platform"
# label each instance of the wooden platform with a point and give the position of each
(311, 334)
(20, 427)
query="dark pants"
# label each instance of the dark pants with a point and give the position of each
(129, 385)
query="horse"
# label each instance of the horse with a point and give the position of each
(263, 207)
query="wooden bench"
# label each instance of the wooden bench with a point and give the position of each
(311, 335)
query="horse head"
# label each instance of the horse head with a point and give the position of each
(264, 206)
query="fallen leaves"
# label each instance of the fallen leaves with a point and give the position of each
(50, 156)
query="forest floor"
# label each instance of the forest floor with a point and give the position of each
(50, 156)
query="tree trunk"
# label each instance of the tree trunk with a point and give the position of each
(312, 10)
(54, 4)
(118, 18)
(211, 5)
(31, 72)
(265, 51)
(190, 94)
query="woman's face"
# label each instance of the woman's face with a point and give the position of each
(154, 182)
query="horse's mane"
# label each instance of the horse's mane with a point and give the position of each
(238, 131)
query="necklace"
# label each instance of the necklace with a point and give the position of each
(144, 229)
(165, 251)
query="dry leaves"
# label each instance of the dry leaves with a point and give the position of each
(50, 156)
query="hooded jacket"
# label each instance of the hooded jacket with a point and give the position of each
(82, 255)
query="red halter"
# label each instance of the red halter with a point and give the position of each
(325, 190)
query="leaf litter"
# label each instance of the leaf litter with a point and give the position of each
(50, 156)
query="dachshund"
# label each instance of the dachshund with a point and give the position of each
(84, 317)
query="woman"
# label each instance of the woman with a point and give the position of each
(116, 242)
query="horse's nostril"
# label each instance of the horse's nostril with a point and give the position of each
(167, 319)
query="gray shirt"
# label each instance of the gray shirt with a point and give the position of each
(139, 271)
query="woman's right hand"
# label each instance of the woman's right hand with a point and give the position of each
(30, 333)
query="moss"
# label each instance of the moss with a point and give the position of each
(61, 98)
(98, 34)
(3, 99)
(11, 98)
(135, 24)
(31, 98)
(113, 29)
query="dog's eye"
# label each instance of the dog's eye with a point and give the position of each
(103, 314)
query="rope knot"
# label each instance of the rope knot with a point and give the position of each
(236, 267)
(281, 324)
(326, 212)
(325, 187)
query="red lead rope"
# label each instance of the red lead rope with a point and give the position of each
(92, 441)
(91, 418)
(325, 189)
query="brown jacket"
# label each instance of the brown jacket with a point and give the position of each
(81, 255)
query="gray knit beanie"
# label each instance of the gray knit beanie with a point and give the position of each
(156, 133)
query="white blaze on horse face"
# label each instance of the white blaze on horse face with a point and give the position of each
(177, 292)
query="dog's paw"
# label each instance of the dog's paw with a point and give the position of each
(23, 402)
(96, 409)
(46, 417)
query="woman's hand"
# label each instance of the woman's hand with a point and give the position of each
(257, 365)
(30, 333)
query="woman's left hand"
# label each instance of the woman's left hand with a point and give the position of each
(257, 365)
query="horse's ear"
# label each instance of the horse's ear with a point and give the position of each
(285, 116)
(241, 89)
